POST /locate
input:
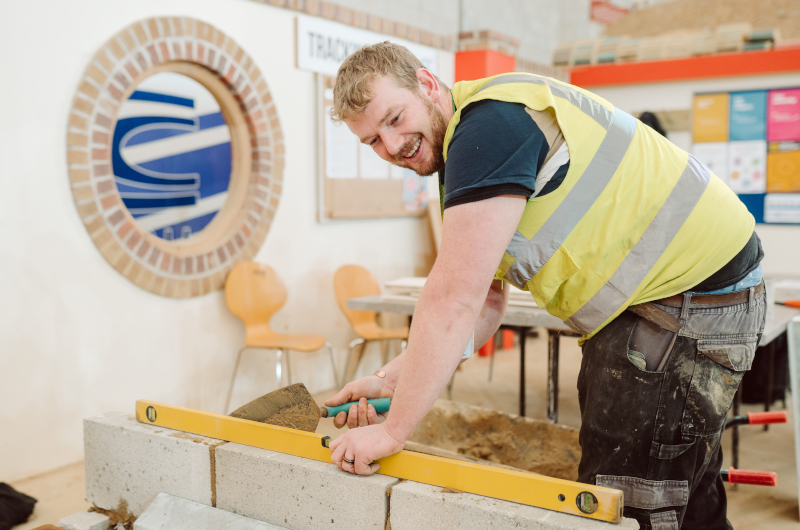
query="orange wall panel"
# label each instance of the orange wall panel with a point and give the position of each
(477, 64)
(702, 67)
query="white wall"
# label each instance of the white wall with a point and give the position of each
(781, 242)
(540, 25)
(77, 338)
(574, 23)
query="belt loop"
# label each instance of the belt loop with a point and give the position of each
(751, 302)
(687, 299)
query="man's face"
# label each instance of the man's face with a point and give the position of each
(403, 127)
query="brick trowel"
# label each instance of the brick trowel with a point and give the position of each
(293, 407)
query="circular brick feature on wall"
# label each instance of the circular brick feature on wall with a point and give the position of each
(197, 265)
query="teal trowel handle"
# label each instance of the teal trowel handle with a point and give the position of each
(381, 405)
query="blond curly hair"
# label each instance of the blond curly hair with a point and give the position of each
(352, 91)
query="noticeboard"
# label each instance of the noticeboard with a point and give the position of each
(751, 140)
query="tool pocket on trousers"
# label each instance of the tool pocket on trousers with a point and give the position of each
(649, 346)
(710, 393)
(732, 354)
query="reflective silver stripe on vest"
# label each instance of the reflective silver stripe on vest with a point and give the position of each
(532, 254)
(645, 253)
(590, 107)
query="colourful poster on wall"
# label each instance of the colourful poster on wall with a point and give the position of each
(714, 155)
(783, 172)
(748, 118)
(711, 117)
(415, 190)
(783, 115)
(747, 166)
(782, 208)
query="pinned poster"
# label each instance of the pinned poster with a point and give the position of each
(782, 208)
(371, 166)
(783, 171)
(783, 115)
(711, 118)
(341, 150)
(748, 115)
(713, 155)
(415, 192)
(747, 166)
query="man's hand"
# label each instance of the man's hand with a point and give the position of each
(361, 415)
(363, 447)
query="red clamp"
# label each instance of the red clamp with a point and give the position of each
(760, 418)
(755, 478)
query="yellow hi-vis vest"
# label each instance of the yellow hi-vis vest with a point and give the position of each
(635, 219)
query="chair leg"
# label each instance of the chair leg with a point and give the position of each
(491, 365)
(233, 380)
(384, 352)
(450, 387)
(349, 369)
(333, 364)
(288, 368)
(279, 367)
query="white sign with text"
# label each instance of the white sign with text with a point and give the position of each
(323, 45)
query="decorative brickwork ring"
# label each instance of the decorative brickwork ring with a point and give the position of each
(175, 155)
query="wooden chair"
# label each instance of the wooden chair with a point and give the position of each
(353, 281)
(254, 293)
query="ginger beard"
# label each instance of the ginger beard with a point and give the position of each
(435, 139)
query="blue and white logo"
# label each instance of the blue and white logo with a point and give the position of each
(171, 156)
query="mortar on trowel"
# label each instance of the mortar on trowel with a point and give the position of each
(293, 407)
(451, 429)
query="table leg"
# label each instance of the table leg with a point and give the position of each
(552, 375)
(737, 401)
(770, 378)
(523, 333)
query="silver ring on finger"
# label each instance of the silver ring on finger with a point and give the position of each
(351, 462)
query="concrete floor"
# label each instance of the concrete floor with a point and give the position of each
(61, 492)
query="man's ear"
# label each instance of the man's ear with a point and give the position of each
(428, 84)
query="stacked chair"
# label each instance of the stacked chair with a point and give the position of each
(352, 281)
(254, 293)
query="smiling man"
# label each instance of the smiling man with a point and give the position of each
(627, 238)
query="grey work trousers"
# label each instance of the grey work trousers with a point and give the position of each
(655, 435)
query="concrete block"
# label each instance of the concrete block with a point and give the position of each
(167, 511)
(85, 521)
(128, 463)
(298, 493)
(415, 506)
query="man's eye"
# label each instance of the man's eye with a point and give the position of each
(394, 120)
(372, 142)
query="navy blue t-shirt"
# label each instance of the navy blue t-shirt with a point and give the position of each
(496, 149)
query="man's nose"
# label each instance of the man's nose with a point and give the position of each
(393, 143)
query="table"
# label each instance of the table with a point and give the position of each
(521, 318)
(778, 321)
